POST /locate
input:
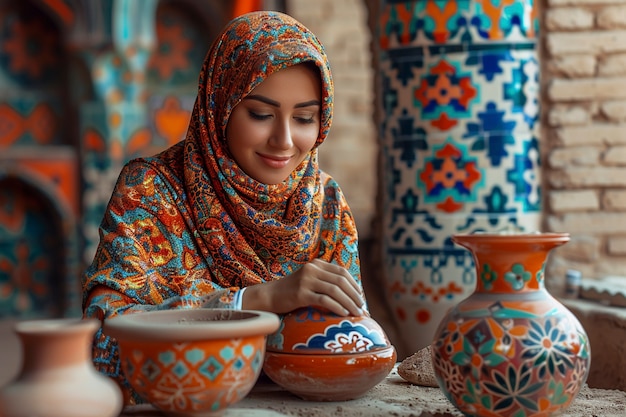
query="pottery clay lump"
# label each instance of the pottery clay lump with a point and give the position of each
(418, 368)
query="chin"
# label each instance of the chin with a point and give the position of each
(273, 180)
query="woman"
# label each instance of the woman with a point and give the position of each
(239, 214)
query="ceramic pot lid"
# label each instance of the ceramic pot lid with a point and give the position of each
(313, 331)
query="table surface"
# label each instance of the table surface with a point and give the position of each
(392, 397)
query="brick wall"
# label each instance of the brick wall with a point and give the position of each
(584, 132)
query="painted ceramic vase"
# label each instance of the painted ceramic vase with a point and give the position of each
(319, 356)
(510, 348)
(57, 377)
(192, 362)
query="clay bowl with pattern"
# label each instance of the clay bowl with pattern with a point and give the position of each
(192, 362)
(319, 356)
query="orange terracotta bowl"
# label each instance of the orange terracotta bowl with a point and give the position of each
(320, 356)
(329, 377)
(194, 362)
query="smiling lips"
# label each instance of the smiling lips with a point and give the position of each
(275, 161)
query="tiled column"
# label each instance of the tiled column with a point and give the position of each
(458, 83)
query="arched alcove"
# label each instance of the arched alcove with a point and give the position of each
(33, 255)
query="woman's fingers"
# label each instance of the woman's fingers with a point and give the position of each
(334, 287)
(332, 298)
(317, 283)
(328, 303)
(342, 278)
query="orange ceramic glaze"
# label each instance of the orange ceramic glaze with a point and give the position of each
(193, 376)
(510, 349)
(320, 356)
(516, 259)
(312, 331)
(329, 377)
(192, 362)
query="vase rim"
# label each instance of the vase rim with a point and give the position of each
(65, 325)
(191, 324)
(529, 237)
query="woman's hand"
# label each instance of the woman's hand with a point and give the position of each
(318, 283)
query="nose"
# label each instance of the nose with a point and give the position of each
(281, 135)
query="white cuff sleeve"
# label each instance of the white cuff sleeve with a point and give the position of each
(238, 299)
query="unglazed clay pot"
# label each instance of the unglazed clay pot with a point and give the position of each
(57, 377)
(192, 362)
(319, 356)
(510, 349)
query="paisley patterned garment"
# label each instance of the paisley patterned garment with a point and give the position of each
(189, 228)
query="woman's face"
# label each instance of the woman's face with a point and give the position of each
(271, 130)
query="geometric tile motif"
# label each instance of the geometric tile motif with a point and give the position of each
(30, 122)
(150, 370)
(180, 370)
(31, 54)
(211, 368)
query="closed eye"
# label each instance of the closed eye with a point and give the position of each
(305, 120)
(258, 116)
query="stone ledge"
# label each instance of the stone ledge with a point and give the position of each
(610, 290)
(606, 328)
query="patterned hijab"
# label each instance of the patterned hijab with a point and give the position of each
(276, 222)
(192, 209)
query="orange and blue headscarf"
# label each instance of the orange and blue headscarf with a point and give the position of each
(189, 224)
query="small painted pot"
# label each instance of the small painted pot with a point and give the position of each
(192, 362)
(320, 356)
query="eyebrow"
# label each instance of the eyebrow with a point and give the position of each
(274, 103)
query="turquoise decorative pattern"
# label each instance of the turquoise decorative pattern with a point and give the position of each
(552, 356)
(196, 376)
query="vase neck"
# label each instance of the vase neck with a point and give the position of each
(509, 263)
(510, 273)
(45, 348)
